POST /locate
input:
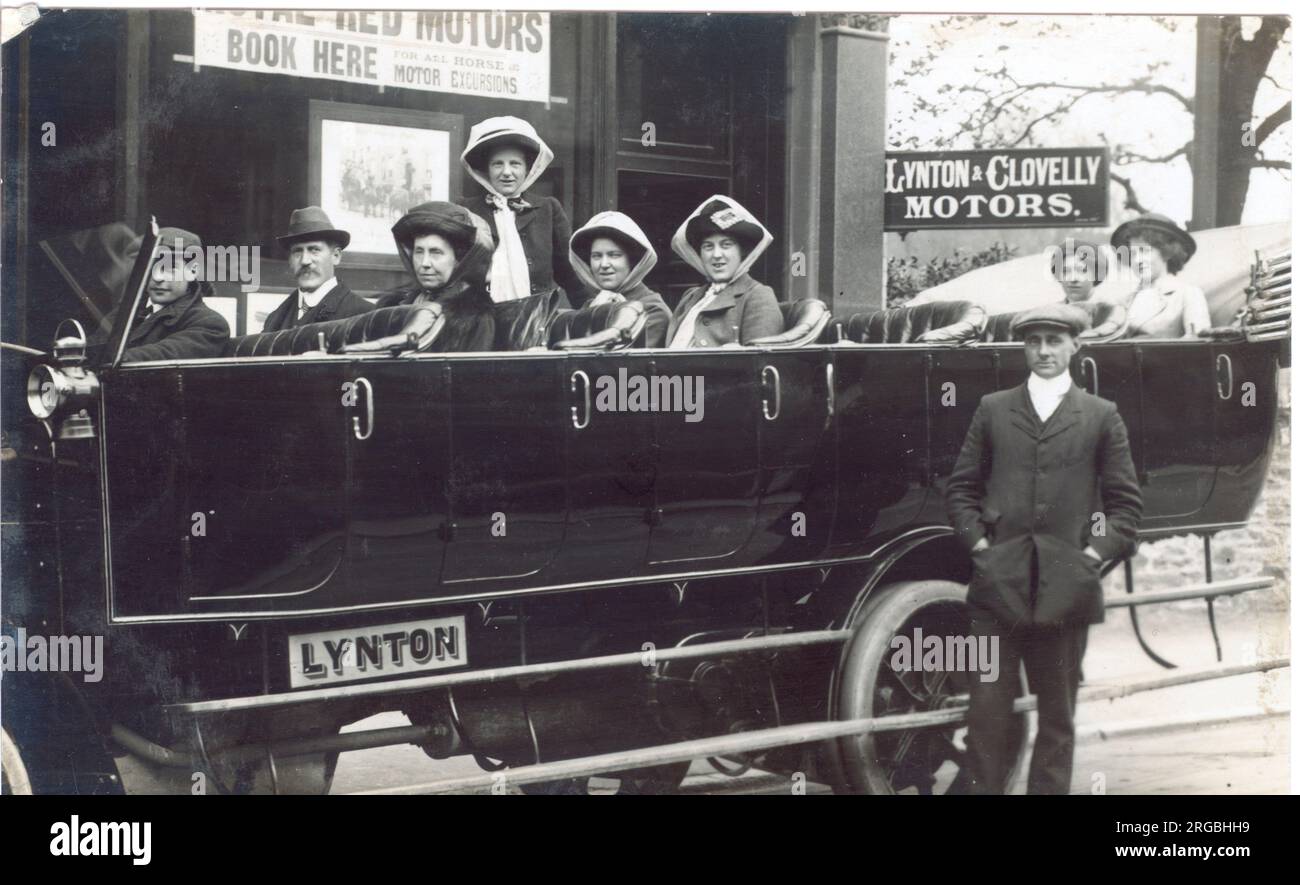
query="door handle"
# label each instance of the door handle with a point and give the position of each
(1089, 366)
(830, 394)
(1222, 368)
(774, 411)
(579, 375)
(370, 412)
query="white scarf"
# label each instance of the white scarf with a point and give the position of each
(508, 278)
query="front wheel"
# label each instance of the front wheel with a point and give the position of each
(13, 772)
(922, 760)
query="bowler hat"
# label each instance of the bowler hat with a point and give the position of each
(313, 224)
(718, 217)
(1056, 316)
(1152, 221)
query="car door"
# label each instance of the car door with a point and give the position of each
(798, 485)
(225, 486)
(611, 468)
(957, 379)
(506, 475)
(1177, 427)
(1245, 416)
(880, 406)
(706, 476)
(400, 443)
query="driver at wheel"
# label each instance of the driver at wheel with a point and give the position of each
(1043, 492)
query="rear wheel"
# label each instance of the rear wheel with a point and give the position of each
(919, 761)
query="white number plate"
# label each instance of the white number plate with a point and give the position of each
(383, 650)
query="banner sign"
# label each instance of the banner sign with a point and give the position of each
(1035, 187)
(488, 54)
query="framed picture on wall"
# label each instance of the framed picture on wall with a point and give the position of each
(370, 165)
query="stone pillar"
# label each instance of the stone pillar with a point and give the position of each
(854, 54)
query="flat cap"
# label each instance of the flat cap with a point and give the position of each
(1058, 316)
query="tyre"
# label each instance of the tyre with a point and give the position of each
(918, 761)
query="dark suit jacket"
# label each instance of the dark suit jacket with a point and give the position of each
(186, 329)
(544, 229)
(745, 306)
(339, 303)
(1034, 490)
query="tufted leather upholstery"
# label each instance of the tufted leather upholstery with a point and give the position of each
(522, 323)
(609, 326)
(939, 322)
(376, 330)
(1109, 322)
(804, 321)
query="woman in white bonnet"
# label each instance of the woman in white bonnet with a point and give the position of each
(506, 156)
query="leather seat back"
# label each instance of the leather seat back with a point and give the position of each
(607, 326)
(394, 323)
(804, 321)
(522, 323)
(938, 322)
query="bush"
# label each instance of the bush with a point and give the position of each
(908, 277)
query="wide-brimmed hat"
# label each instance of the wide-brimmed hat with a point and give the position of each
(1152, 221)
(509, 135)
(312, 223)
(582, 240)
(717, 217)
(453, 223)
(1066, 317)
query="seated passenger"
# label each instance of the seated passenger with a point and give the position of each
(175, 324)
(448, 250)
(315, 249)
(1078, 267)
(722, 240)
(1162, 306)
(612, 255)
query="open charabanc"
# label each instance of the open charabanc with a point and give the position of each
(539, 557)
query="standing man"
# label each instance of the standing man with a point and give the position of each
(1044, 492)
(315, 249)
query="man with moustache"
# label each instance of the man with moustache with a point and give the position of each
(1043, 492)
(315, 248)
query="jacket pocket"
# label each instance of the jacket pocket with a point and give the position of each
(1069, 584)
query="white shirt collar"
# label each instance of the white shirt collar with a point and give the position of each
(1047, 394)
(308, 300)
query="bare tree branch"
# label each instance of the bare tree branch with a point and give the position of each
(1125, 157)
(1271, 122)
(1131, 200)
(1262, 163)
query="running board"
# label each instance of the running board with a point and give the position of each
(750, 644)
(1195, 591)
(769, 738)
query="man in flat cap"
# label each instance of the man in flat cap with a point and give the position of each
(315, 248)
(173, 323)
(1043, 493)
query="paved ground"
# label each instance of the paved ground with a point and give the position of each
(1248, 756)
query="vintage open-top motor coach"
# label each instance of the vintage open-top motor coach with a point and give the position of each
(572, 548)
